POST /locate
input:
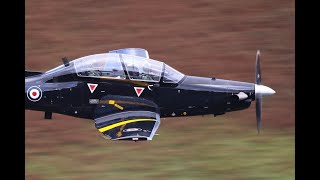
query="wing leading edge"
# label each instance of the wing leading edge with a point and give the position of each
(137, 119)
(130, 125)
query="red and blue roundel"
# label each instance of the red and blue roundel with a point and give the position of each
(34, 93)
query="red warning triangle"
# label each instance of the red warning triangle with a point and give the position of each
(92, 87)
(138, 90)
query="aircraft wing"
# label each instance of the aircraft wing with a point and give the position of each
(127, 118)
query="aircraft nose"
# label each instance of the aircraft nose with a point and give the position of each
(261, 90)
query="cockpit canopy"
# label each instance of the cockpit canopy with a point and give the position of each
(117, 66)
(100, 65)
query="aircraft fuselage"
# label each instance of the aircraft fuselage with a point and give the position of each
(78, 96)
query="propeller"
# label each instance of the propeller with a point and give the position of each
(260, 91)
(258, 98)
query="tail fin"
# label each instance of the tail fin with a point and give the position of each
(31, 73)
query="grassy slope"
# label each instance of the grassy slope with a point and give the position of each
(206, 38)
(220, 148)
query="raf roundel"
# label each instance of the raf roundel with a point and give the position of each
(34, 93)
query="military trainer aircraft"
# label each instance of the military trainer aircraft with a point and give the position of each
(125, 93)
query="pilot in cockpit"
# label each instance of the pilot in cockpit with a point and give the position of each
(112, 69)
(133, 71)
(147, 72)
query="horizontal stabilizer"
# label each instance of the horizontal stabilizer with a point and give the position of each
(31, 73)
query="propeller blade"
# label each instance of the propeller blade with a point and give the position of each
(258, 70)
(259, 97)
(258, 113)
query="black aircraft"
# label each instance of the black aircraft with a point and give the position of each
(125, 93)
